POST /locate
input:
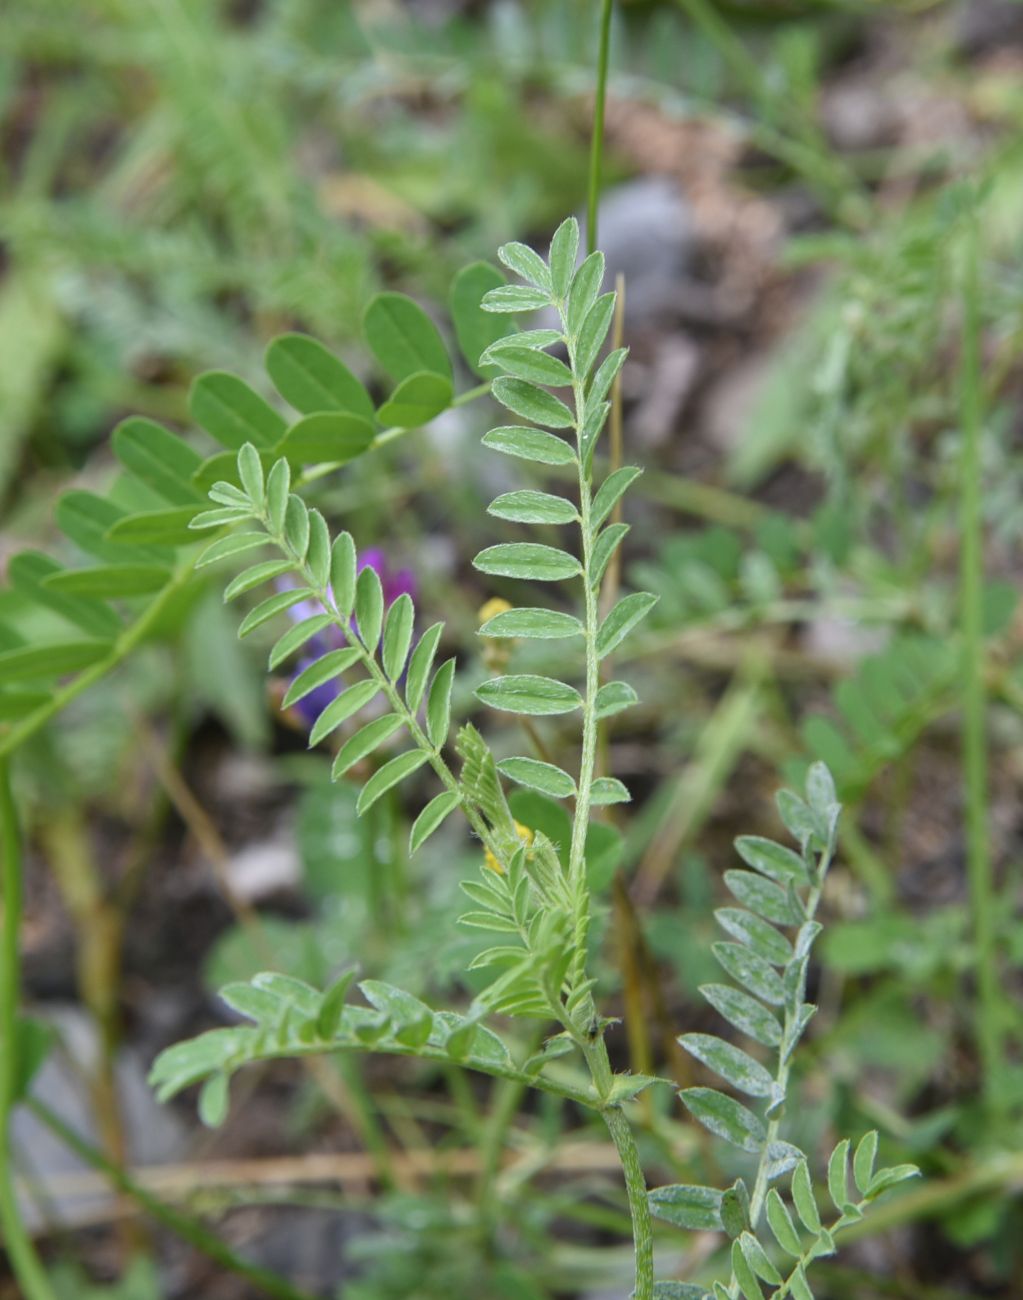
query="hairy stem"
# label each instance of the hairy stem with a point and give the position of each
(635, 1185)
(21, 1254)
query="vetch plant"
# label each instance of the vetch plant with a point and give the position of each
(531, 894)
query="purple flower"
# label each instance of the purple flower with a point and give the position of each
(395, 583)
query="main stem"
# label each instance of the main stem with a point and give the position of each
(978, 849)
(20, 1252)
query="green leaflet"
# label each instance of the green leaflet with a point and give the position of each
(417, 400)
(542, 624)
(696, 1208)
(343, 573)
(234, 544)
(158, 527)
(613, 697)
(161, 459)
(733, 1065)
(761, 896)
(838, 1175)
(278, 489)
(311, 378)
(232, 412)
(781, 1224)
(327, 436)
(750, 971)
(51, 660)
(756, 1257)
(325, 669)
(528, 507)
(527, 560)
(272, 606)
(610, 493)
(296, 525)
(431, 817)
(528, 264)
(604, 547)
(626, 614)
(744, 1012)
(397, 636)
(350, 701)
(863, 1160)
(111, 581)
(744, 1275)
(514, 298)
(438, 704)
(525, 693)
(388, 776)
(772, 860)
(87, 519)
(533, 365)
(593, 332)
(369, 607)
(530, 444)
(296, 637)
(318, 551)
(365, 740)
(583, 294)
(533, 403)
(403, 338)
(804, 1199)
(28, 572)
(757, 934)
(475, 328)
(420, 665)
(534, 774)
(608, 790)
(563, 252)
(726, 1117)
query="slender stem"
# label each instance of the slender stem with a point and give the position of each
(20, 1252)
(978, 848)
(186, 1227)
(639, 1209)
(597, 138)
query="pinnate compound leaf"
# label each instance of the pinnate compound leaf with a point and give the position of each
(527, 263)
(397, 636)
(514, 297)
(529, 694)
(744, 1012)
(530, 444)
(431, 817)
(476, 329)
(438, 704)
(562, 256)
(804, 1199)
(532, 403)
(725, 1117)
(539, 624)
(311, 378)
(527, 560)
(772, 860)
(863, 1160)
(232, 412)
(625, 615)
(365, 740)
(838, 1175)
(781, 1224)
(751, 971)
(608, 790)
(350, 701)
(529, 507)
(403, 338)
(322, 670)
(533, 365)
(417, 400)
(696, 1208)
(610, 493)
(534, 774)
(733, 1065)
(613, 697)
(325, 436)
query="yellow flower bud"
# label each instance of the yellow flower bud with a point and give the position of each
(496, 605)
(492, 864)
